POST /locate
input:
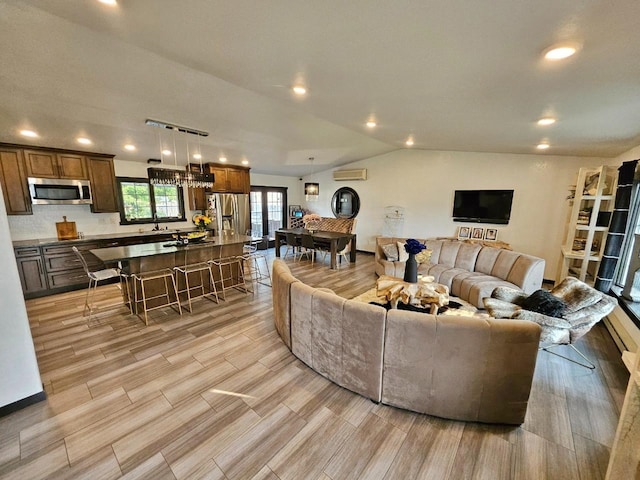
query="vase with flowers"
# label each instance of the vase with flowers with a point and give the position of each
(311, 221)
(412, 247)
(201, 221)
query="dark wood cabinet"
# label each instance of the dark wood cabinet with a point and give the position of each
(103, 185)
(31, 270)
(46, 164)
(230, 179)
(14, 182)
(197, 196)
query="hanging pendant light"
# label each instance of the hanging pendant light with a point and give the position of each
(311, 189)
(164, 176)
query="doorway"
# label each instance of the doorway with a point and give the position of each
(268, 211)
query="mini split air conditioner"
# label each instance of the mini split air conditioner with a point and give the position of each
(357, 174)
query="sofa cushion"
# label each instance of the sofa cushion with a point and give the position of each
(391, 252)
(403, 256)
(542, 301)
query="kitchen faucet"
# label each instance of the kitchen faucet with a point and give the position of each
(155, 219)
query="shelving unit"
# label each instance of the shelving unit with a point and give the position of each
(589, 223)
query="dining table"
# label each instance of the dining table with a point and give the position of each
(329, 237)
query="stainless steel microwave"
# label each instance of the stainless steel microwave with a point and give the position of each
(59, 191)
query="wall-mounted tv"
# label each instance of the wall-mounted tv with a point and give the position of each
(482, 206)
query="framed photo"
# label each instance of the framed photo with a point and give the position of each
(477, 233)
(491, 234)
(293, 209)
(463, 232)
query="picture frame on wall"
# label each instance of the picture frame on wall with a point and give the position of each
(463, 232)
(477, 233)
(293, 209)
(491, 234)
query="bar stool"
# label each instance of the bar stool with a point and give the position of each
(200, 268)
(98, 276)
(163, 276)
(251, 260)
(230, 271)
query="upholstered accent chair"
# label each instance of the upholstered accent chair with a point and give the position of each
(578, 308)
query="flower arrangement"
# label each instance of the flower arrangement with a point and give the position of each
(311, 217)
(413, 246)
(201, 221)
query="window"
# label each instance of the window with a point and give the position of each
(141, 202)
(633, 227)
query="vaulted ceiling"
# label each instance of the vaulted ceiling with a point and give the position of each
(454, 75)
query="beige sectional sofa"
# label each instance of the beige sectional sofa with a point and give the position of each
(471, 271)
(461, 368)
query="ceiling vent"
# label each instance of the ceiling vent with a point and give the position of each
(356, 174)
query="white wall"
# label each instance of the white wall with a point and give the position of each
(42, 224)
(423, 183)
(19, 375)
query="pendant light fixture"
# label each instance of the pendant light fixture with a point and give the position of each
(164, 176)
(311, 189)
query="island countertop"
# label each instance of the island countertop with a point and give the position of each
(116, 254)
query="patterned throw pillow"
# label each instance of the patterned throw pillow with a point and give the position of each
(424, 256)
(391, 251)
(403, 256)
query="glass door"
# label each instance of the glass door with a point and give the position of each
(268, 211)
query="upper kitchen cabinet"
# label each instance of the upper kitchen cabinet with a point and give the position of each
(47, 164)
(14, 182)
(231, 179)
(103, 185)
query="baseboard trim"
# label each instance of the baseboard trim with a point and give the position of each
(20, 404)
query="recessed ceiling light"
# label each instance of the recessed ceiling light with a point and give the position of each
(222, 159)
(166, 152)
(542, 146)
(84, 141)
(29, 133)
(546, 121)
(111, 3)
(560, 52)
(245, 162)
(130, 147)
(299, 90)
(409, 142)
(371, 124)
(197, 156)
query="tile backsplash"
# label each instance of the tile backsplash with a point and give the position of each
(42, 224)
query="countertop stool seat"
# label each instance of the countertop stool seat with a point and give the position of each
(162, 277)
(256, 265)
(230, 271)
(98, 276)
(206, 286)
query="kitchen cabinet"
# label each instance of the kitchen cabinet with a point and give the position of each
(14, 182)
(49, 164)
(103, 185)
(197, 196)
(31, 269)
(230, 179)
(63, 266)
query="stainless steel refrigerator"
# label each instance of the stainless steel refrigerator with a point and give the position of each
(230, 213)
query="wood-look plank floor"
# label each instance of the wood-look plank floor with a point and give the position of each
(215, 394)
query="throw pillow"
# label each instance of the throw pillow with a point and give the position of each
(424, 256)
(391, 251)
(542, 301)
(403, 256)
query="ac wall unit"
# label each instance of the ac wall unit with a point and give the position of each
(356, 174)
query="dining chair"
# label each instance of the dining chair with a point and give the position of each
(293, 244)
(97, 276)
(307, 247)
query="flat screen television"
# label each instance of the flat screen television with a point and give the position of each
(482, 206)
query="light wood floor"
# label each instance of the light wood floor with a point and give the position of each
(215, 394)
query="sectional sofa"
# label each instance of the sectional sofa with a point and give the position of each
(471, 271)
(461, 368)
